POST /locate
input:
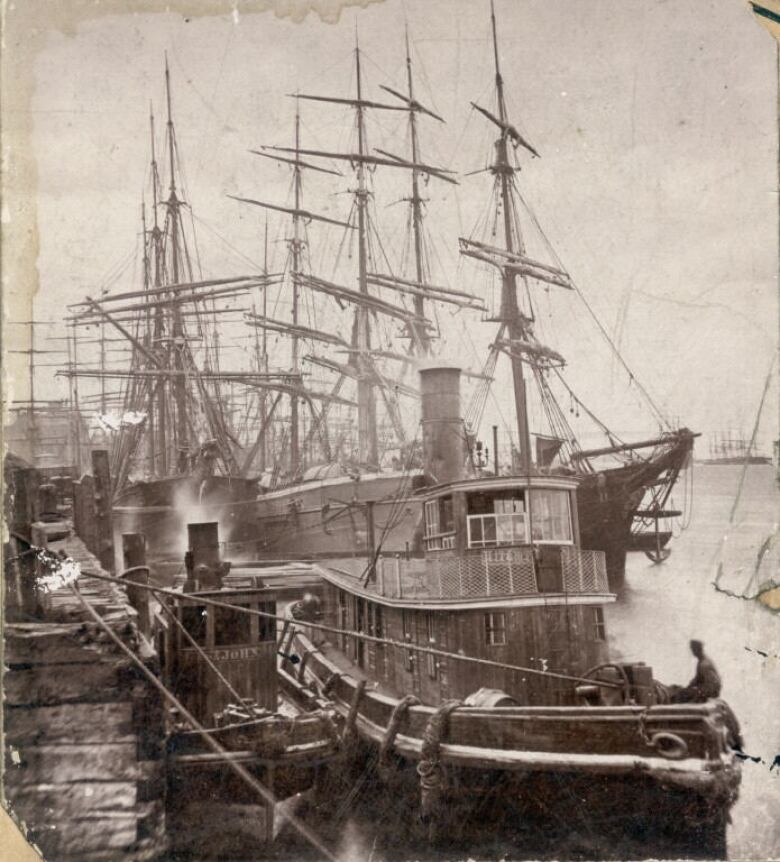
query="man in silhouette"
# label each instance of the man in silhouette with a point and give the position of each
(705, 684)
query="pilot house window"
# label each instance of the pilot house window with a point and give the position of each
(266, 626)
(193, 619)
(432, 518)
(406, 627)
(495, 629)
(231, 626)
(430, 632)
(550, 516)
(499, 520)
(439, 524)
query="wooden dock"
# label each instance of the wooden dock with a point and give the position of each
(84, 732)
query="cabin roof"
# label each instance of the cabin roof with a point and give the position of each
(497, 483)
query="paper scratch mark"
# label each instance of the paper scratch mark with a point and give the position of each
(741, 755)
(761, 652)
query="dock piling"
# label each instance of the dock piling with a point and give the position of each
(134, 557)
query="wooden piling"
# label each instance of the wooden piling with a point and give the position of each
(134, 557)
(103, 519)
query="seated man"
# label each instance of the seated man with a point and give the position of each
(705, 684)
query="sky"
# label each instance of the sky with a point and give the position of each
(657, 182)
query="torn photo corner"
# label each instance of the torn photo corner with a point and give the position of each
(390, 426)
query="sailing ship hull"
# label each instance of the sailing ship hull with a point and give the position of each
(608, 502)
(162, 508)
(329, 518)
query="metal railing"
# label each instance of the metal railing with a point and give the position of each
(479, 573)
(584, 571)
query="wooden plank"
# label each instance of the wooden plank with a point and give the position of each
(73, 837)
(54, 644)
(70, 723)
(39, 803)
(55, 764)
(51, 684)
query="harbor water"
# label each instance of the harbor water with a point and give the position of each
(666, 605)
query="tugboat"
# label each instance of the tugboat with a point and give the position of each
(479, 672)
(218, 648)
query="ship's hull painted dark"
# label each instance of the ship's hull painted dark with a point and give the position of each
(608, 500)
(328, 518)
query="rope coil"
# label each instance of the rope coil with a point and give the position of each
(398, 716)
(429, 769)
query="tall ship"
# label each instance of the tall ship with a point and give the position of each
(478, 676)
(176, 452)
(360, 492)
(312, 449)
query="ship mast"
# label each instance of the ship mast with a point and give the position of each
(33, 420)
(361, 364)
(296, 248)
(261, 353)
(420, 334)
(368, 447)
(296, 244)
(157, 251)
(147, 340)
(510, 315)
(163, 368)
(173, 205)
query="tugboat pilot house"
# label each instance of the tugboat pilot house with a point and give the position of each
(503, 579)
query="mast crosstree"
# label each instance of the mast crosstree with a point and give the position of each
(361, 365)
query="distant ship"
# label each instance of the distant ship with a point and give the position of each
(733, 448)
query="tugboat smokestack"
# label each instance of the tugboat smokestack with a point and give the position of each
(204, 567)
(444, 437)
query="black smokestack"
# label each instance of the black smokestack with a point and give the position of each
(204, 567)
(444, 437)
